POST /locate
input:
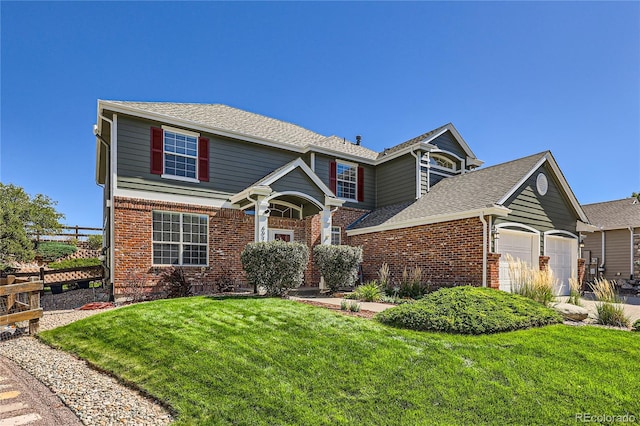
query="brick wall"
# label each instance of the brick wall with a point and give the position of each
(449, 253)
(493, 270)
(229, 231)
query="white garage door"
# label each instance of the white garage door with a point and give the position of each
(563, 260)
(520, 245)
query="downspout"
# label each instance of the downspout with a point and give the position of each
(418, 180)
(602, 262)
(484, 249)
(112, 183)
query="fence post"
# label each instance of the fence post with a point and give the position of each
(34, 303)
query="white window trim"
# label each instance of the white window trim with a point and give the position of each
(434, 157)
(273, 232)
(350, 164)
(181, 243)
(197, 157)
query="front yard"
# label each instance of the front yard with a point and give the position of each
(273, 361)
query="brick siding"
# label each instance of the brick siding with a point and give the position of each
(449, 253)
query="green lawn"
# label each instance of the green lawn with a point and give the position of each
(272, 361)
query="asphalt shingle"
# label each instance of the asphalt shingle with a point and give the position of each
(616, 214)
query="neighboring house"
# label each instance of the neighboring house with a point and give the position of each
(192, 184)
(614, 250)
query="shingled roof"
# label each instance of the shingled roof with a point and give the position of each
(618, 214)
(471, 191)
(226, 118)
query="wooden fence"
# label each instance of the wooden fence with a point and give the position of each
(13, 309)
(74, 232)
(66, 275)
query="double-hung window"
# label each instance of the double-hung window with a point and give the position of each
(180, 239)
(179, 154)
(346, 180)
(335, 235)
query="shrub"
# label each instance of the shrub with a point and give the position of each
(338, 264)
(276, 266)
(75, 263)
(384, 276)
(530, 282)
(369, 292)
(354, 307)
(469, 310)
(609, 310)
(636, 325)
(95, 242)
(174, 282)
(52, 250)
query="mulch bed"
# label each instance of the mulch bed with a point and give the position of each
(360, 314)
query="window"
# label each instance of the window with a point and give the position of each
(437, 160)
(180, 155)
(180, 239)
(346, 181)
(336, 235)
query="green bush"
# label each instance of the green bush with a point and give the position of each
(369, 292)
(75, 263)
(275, 265)
(53, 250)
(95, 242)
(636, 325)
(469, 310)
(338, 264)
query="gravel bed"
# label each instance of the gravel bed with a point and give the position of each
(96, 398)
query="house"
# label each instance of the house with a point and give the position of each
(613, 251)
(192, 184)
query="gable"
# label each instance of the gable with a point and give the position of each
(297, 180)
(542, 212)
(446, 142)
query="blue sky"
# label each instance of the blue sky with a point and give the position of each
(515, 78)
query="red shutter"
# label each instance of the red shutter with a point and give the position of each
(157, 151)
(203, 159)
(332, 176)
(360, 184)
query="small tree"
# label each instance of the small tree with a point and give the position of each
(20, 215)
(276, 266)
(636, 195)
(338, 264)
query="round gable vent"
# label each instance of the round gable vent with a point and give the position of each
(542, 184)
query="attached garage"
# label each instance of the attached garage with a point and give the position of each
(523, 245)
(563, 259)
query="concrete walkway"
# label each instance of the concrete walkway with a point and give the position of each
(631, 307)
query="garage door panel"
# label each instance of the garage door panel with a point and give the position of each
(520, 245)
(563, 261)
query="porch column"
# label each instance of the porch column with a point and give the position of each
(325, 226)
(262, 219)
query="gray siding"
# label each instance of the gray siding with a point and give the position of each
(435, 178)
(592, 246)
(542, 212)
(322, 171)
(297, 180)
(446, 142)
(233, 165)
(396, 181)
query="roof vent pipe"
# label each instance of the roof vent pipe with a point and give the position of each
(358, 140)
